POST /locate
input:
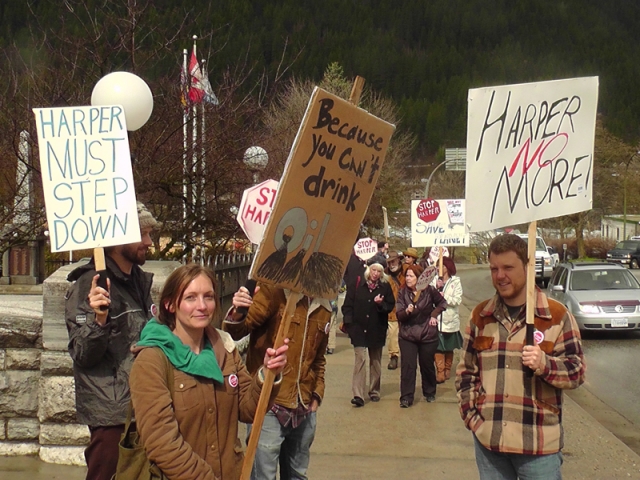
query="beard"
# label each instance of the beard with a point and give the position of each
(135, 254)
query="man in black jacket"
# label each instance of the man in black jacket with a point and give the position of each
(100, 342)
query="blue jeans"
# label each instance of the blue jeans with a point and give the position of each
(295, 443)
(513, 466)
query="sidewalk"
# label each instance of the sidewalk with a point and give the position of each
(383, 441)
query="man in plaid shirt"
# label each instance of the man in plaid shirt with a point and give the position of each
(516, 419)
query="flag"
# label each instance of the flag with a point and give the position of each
(200, 88)
(184, 87)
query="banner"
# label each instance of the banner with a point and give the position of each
(530, 151)
(86, 176)
(438, 223)
(323, 196)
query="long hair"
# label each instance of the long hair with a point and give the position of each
(173, 290)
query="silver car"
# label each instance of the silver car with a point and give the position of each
(601, 296)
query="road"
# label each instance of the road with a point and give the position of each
(612, 387)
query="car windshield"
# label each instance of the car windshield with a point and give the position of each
(627, 245)
(604, 280)
(540, 244)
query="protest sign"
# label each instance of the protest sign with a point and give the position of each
(530, 151)
(323, 196)
(365, 248)
(255, 209)
(86, 176)
(438, 223)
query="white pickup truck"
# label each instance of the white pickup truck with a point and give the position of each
(546, 261)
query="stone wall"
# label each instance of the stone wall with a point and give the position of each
(37, 393)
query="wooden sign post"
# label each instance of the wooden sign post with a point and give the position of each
(326, 186)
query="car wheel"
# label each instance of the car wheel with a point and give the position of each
(633, 263)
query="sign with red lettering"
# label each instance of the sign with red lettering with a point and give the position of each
(365, 248)
(428, 210)
(438, 223)
(324, 193)
(255, 209)
(530, 151)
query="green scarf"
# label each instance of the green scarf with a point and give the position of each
(155, 334)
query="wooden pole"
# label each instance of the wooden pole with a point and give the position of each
(386, 224)
(267, 386)
(440, 265)
(531, 285)
(283, 330)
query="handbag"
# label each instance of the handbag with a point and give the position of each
(133, 463)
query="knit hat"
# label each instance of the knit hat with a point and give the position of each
(145, 218)
(411, 252)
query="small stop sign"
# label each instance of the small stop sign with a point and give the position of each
(428, 210)
(255, 209)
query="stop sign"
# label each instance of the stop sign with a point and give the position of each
(428, 210)
(255, 209)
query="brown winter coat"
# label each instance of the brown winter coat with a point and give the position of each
(303, 376)
(195, 436)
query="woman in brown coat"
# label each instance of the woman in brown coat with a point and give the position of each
(190, 429)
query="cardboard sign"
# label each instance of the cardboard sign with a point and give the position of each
(530, 151)
(365, 248)
(426, 277)
(323, 196)
(255, 209)
(86, 176)
(438, 223)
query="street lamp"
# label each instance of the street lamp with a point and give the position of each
(256, 159)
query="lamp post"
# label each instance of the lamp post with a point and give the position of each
(426, 187)
(256, 159)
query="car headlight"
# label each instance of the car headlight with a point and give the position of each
(589, 308)
(608, 255)
(547, 261)
(627, 255)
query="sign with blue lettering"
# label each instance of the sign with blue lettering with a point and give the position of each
(324, 193)
(438, 223)
(87, 177)
(530, 151)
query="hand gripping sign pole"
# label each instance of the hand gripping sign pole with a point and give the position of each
(531, 286)
(269, 377)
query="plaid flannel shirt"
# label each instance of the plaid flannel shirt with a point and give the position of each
(506, 410)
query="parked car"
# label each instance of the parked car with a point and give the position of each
(626, 252)
(601, 296)
(544, 261)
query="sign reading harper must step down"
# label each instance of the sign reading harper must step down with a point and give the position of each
(530, 151)
(323, 196)
(87, 177)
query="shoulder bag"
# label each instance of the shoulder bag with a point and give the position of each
(133, 463)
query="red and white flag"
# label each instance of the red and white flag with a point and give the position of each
(200, 88)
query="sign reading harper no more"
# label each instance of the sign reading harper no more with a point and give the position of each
(86, 177)
(323, 196)
(530, 151)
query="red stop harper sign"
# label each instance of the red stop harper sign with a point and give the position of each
(428, 210)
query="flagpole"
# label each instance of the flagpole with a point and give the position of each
(185, 120)
(202, 169)
(194, 164)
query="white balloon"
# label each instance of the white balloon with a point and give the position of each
(128, 90)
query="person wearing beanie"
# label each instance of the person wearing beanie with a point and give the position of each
(450, 287)
(103, 325)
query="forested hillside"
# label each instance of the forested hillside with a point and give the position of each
(423, 54)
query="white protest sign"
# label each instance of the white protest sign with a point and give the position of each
(86, 176)
(438, 223)
(255, 209)
(530, 151)
(365, 248)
